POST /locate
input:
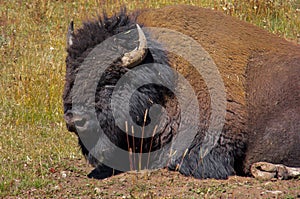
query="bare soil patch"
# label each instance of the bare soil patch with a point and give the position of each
(71, 182)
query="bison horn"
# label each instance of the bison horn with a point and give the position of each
(70, 34)
(133, 58)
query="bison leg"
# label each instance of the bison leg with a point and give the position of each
(267, 171)
(216, 164)
(221, 161)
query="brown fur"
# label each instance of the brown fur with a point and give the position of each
(260, 72)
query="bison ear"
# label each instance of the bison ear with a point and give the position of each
(133, 58)
(70, 34)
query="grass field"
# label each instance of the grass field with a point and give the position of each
(33, 137)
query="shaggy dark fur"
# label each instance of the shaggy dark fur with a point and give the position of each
(227, 157)
(91, 34)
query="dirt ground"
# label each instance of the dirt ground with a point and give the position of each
(71, 182)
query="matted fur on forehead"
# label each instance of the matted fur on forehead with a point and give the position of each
(94, 32)
(85, 38)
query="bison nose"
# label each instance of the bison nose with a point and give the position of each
(68, 117)
(74, 120)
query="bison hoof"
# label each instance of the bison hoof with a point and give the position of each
(267, 171)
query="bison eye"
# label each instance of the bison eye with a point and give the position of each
(80, 123)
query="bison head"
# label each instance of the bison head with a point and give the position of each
(103, 71)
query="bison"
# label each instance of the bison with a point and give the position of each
(244, 113)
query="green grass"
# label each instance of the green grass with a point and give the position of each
(33, 137)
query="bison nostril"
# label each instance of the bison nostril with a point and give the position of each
(68, 117)
(80, 123)
(74, 119)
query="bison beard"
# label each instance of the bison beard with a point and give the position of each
(231, 155)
